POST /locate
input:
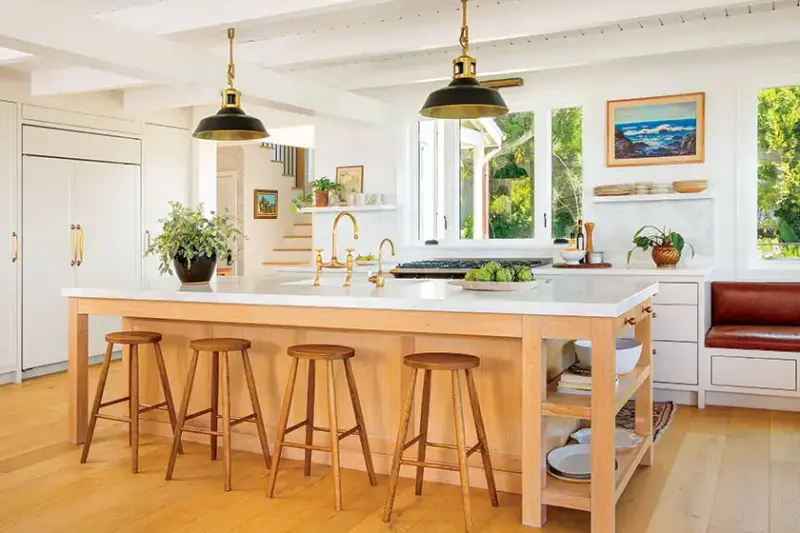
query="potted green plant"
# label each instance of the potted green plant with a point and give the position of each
(191, 243)
(302, 200)
(667, 245)
(322, 187)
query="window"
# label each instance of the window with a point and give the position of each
(779, 173)
(494, 180)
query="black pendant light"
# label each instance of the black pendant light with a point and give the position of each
(464, 97)
(230, 123)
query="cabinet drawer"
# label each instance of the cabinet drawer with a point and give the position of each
(676, 294)
(754, 372)
(675, 362)
(672, 323)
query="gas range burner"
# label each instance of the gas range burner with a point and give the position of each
(456, 268)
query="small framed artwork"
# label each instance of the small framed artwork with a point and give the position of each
(351, 179)
(661, 130)
(265, 204)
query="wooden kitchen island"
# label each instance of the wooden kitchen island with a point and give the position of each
(510, 332)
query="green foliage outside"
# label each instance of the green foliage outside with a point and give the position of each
(511, 171)
(188, 233)
(779, 172)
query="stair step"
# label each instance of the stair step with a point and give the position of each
(291, 249)
(297, 236)
(286, 263)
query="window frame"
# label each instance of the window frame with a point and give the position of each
(543, 184)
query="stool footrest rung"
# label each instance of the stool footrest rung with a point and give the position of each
(428, 464)
(412, 442)
(146, 408)
(343, 433)
(295, 427)
(415, 440)
(115, 402)
(248, 418)
(306, 446)
(125, 419)
(198, 413)
(202, 431)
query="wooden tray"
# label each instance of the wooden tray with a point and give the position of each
(582, 265)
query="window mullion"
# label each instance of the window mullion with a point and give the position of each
(543, 175)
(451, 151)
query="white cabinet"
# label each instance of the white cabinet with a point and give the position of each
(80, 226)
(9, 240)
(166, 178)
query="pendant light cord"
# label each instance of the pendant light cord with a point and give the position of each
(231, 67)
(464, 39)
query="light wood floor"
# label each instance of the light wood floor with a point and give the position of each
(717, 471)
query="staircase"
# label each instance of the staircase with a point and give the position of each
(295, 248)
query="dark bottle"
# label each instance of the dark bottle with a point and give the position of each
(580, 239)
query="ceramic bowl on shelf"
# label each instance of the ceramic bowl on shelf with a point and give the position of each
(628, 353)
(572, 256)
(624, 439)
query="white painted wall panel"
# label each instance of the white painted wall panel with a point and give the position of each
(62, 143)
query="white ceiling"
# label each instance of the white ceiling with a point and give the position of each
(361, 44)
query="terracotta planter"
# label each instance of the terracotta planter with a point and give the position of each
(320, 198)
(666, 256)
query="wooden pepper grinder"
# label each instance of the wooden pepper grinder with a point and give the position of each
(589, 229)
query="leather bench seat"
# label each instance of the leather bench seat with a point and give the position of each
(770, 338)
(755, 316)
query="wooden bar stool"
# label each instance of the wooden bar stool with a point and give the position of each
(454, 363)
(132, 339)
(217, 347)
(314, 353)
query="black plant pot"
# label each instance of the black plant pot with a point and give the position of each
(200, 271)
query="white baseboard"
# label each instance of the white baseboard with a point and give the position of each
(681, 397)
(753, 401)
(55, 368)
(8, 377)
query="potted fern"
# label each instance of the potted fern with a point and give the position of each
(667, 245)
(322, 187)
(191, 243)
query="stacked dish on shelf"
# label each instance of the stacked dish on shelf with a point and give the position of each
(690, 186)
(661, 188)
(643, 187)
(573, 462)
(623, 189)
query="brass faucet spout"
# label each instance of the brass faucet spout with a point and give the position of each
(334, 259)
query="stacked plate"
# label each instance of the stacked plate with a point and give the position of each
(689, 186)
(660, 188)
(572, 463)
(613, 190)
(643, 187)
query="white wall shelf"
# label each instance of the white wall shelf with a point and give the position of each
(668, 197)
(354, 208)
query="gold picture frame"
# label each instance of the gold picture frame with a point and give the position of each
(351, 179)
(659, 130)
(265, 204)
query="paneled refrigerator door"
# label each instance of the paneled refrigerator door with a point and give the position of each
(49, 251)
(106, 214)
(9, 240)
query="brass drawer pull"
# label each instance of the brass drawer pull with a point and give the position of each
(630, 321)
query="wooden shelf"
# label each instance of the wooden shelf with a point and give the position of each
(354, 208)
(666, 197)
(579, 495)
(580, 406)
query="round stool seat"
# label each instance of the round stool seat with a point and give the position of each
(133, 337)
(441, 361)
(223, 344)
(321, 352)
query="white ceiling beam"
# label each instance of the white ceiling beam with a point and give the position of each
(762, 28)
(173, 16)
(156, 98)
(434, 28)
(54, 32)
(71, 80)
(10, 57)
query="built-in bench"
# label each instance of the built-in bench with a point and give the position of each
(754, 341)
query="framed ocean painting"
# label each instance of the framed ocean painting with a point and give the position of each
(662, 130)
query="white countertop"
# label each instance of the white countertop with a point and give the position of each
(562, 296)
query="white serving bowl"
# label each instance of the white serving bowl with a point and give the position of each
(572, 257)
(628, 353)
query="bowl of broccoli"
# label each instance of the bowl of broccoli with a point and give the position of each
(495, 277)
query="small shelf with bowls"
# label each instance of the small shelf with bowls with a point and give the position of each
(354, 208)
(666, 197)
(646, 191)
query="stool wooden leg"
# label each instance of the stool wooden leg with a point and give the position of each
(187, 394)
(214, 403)
(405, 417)
(312, 371)
(162, 372)
(282, 424)
(130, 351)
(334, 433)
(226, 420)
(98, 399)
(481, 431)
(362, 428)
(423, 431)
(134, 409)
(251, 387)
(461, 448)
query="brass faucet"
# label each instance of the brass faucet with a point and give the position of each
(334, 262)
(379, 280)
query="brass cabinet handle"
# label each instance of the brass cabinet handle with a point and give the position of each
(15, 240)
(654, 314)
(74, 245)
(648, 309)
(654, 351)
(630, 321)
(147, 239)
(80, 229)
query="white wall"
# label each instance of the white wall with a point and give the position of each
(726, 76)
